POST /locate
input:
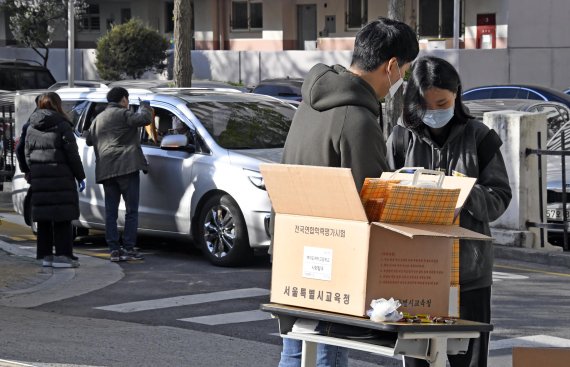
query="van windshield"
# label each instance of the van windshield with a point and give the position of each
(244, 124)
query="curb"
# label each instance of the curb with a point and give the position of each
(550, 257)
(93, 274)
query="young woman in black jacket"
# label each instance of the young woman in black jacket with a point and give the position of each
(55, 173)
(438, 133)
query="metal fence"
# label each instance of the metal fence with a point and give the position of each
(554, 225)
(7, 143)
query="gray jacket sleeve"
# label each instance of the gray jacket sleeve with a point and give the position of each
(140, 118)
(492, 193)
(362, 147)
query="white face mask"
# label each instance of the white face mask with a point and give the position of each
(394, 87)
(438, 118)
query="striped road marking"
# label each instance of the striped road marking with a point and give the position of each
(185, 300)
(530, 341)
(230, 318)
(499, 276)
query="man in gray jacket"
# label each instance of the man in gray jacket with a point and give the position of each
(115, 136)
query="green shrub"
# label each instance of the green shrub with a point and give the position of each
(129, 50)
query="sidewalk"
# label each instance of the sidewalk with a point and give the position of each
(25, 283)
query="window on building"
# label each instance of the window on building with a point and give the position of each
(91, 20)
(169, 23)
(125, 15)
(435, 18)
(247, 15)
(356, 13)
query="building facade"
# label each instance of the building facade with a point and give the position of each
(273, 25)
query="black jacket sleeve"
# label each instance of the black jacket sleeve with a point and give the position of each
(21, 149)
(72, 152)
(492, 193)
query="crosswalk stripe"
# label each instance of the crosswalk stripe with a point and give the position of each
(499, 276)
(230, 318)
(530, 341)
(185, 300)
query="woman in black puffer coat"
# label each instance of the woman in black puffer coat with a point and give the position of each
(55, 172)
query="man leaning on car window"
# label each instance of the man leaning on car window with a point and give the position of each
(114, 135)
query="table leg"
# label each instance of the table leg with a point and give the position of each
(309, 354)
(438, 352)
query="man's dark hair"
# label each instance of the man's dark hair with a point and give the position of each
(380, 40)
(430, 72)
(116, 94)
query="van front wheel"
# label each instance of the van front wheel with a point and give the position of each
(222, 233)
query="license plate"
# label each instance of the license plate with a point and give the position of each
(556, 214)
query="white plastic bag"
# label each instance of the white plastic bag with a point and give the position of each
(384, 310)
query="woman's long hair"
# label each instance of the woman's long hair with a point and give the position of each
(51, 101)
(430, 72)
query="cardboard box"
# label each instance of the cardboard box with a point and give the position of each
(327, 255)
(533, 357)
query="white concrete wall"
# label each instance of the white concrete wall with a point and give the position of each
(546, 67)
(541, 23)
(518, 131)
(539, 42)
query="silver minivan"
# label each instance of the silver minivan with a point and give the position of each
(203, 182)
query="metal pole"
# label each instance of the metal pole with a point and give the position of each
(439, 21)
(71, 44)
(456, 6)
(564, 198)
(540, 198)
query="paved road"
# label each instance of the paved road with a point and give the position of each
(174, 307)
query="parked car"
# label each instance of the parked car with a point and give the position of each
(22, 74)
(204, 184)
(80, 84)
(567, 91)
(558, 123)
(282, 88)
(155, 84)
(534, 92)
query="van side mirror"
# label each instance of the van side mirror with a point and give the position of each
(177, 142)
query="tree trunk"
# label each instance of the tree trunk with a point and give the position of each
(182, 69)
(393, 106)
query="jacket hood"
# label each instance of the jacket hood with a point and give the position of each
(327, 87)
(45, 119)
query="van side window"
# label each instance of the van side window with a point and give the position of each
(95, 109)
(74, 110)
(152, 134)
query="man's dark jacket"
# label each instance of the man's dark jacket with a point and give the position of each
(336, 125)
(55, 166)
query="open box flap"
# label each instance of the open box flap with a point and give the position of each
(465, 184)
(433, 230)
(314, 191)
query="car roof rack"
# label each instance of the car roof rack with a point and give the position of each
(23, 62)
(199, 89)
